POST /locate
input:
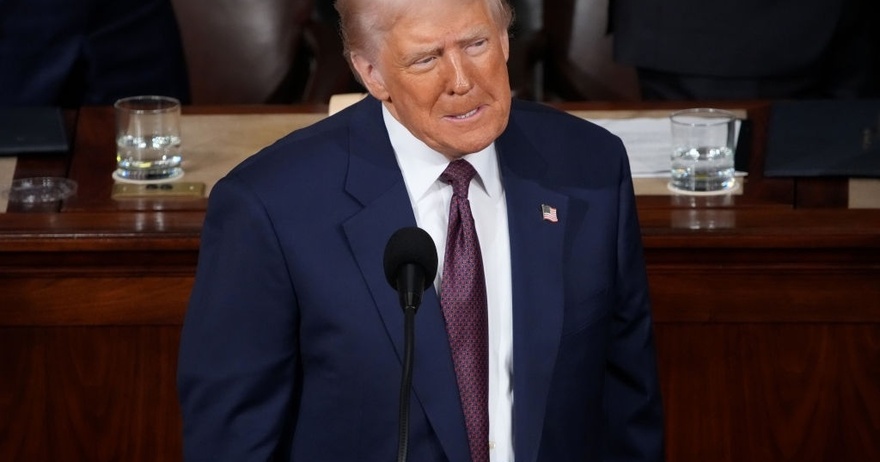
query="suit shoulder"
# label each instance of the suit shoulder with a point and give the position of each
(297, 150)
(574, 150)
(545, 123)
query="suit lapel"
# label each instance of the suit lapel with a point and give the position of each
(536, 263)
(375, 180)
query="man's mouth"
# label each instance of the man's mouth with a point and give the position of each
(466, 115)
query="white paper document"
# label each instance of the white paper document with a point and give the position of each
(648, 142)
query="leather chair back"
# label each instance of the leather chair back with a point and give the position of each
(243, 51)
(329, 71)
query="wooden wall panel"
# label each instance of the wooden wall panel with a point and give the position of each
(113, 394)
(23, 414)
(797, 392)
(94, 300)
(754, 294)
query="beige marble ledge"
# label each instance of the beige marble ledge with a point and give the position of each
(864, 193)
(213, 144)
(7, 170)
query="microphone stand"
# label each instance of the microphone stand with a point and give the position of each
(410, 263)
(409, 313)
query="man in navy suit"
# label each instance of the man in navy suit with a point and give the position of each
(75, 53)
(292, 343)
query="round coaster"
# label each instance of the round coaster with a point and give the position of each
(730, 189)
(159, 181)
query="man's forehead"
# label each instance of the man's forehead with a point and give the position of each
(444, 34)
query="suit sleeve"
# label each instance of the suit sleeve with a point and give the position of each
(237, 373)
(633, 405)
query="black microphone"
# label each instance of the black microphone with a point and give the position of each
(410, 264)
(410, 267)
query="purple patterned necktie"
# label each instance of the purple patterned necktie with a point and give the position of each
(463, 300)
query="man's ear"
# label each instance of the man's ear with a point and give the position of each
(370, 76)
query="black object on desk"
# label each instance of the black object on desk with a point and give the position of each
(824, 138)
(26, 130)
(743, 155)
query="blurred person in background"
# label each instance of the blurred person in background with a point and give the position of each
(749, 49)
(92, 52)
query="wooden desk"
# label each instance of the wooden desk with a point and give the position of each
(767, 309)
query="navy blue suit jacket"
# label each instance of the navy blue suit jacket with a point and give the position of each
(293, 339)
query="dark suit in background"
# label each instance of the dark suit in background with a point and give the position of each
(73, 53)
(711, 49)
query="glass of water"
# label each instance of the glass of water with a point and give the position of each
(703, 141)
(148, 138)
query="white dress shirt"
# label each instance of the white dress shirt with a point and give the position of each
(430, 199)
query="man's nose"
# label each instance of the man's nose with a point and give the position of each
(459, 79)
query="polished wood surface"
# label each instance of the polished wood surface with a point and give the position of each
(766, 305)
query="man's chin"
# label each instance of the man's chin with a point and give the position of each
(459, 148)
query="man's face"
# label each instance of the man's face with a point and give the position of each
(441, 70)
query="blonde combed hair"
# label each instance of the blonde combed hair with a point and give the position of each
(361, 23)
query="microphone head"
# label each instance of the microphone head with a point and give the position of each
(411, 245)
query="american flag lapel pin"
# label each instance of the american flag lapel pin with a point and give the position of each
(549, 213)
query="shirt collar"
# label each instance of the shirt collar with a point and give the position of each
(422, 166)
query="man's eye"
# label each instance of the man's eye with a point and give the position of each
(423, 62)
(479, 43)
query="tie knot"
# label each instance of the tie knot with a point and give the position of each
(459, 174)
